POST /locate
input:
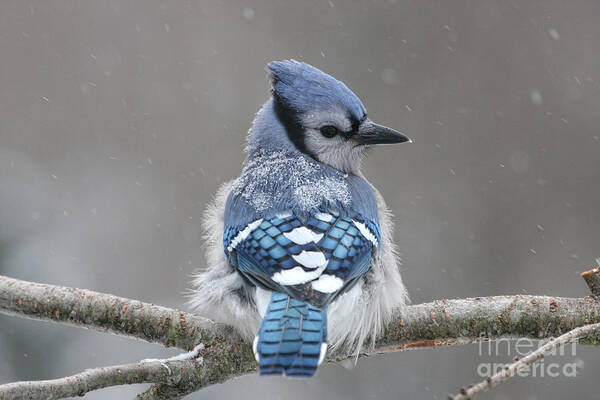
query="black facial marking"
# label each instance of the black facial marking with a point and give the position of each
(355, 125)
(289, 119)
(348, 135)
(353, 131)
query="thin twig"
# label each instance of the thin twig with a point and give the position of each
(511, 369)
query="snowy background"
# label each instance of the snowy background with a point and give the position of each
(118, 121)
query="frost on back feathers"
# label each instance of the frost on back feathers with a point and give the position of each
(271, 179)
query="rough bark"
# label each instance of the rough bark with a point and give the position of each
(175, 373)
(108, 313)
(225, 355)
(467, 320)
(592, 278)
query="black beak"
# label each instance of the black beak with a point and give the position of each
(372, 133)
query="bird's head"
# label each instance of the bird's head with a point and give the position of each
(322, 117)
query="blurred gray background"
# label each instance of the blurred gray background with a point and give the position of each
(118, 121)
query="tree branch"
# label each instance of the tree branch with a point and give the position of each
(592, 278)
(225, 355)
(172, 373)
(108, 313)
(511, 369)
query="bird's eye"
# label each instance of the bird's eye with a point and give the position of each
(329, 131)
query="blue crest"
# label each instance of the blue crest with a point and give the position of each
(302, 87)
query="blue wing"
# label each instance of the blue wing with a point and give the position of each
(313, 261)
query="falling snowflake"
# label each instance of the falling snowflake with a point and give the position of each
(536, 97)
(554, 34)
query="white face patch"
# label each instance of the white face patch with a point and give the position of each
(303, 235)
(327, 284)
(338, 152)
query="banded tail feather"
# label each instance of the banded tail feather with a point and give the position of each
(292, 338)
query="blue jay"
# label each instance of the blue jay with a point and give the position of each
(299, 247)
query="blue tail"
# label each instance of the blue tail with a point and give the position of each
(290, 338)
